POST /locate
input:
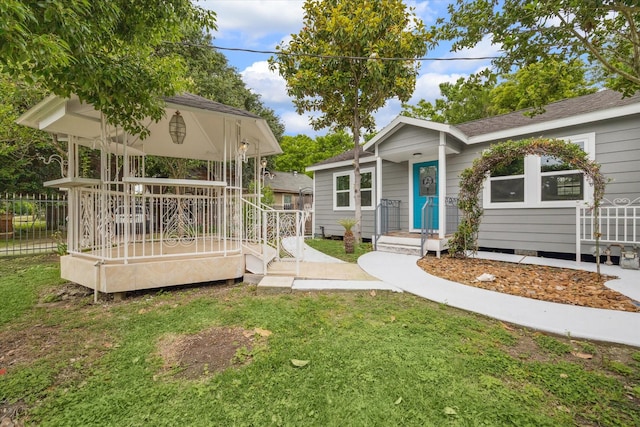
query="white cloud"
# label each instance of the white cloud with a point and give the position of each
(387, 113)
(428, 85)
(483, 49)
(255, 19)
(297, 124)
(423, 10)
(267, 83)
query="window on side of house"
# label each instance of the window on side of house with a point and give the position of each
(286, 201)
(342, 193)
(558, 181)
(343, 196)
(507, 183)
(539, 181)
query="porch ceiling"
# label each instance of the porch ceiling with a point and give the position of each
(207, 128)
(403, 154)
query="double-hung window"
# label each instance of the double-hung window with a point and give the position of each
(343, 186)
(539, 181)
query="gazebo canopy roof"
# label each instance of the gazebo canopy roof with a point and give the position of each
(208, 125)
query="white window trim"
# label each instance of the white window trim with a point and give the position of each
(351, 176)
(533, 177)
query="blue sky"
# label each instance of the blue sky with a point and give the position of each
(263, 24)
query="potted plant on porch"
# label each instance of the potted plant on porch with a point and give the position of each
(349, 239)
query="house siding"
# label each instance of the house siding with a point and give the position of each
(554, 229)
(541, 229)
(395, 187)
(326, 216)
(410, 139)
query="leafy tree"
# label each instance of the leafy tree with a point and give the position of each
(301, 151)
(480, 95)
(606, 31)
(296, 151)
(104, 51)
(463, 101)
(338, 64)
(20, 147)
(330, 145)
(539, 84)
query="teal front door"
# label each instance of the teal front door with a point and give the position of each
(425, 185)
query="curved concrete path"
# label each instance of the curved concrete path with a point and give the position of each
(401, 271)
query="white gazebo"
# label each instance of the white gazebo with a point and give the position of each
(128, 230)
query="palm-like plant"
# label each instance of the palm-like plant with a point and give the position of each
(348, 239)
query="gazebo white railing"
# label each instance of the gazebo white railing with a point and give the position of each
(171, 219)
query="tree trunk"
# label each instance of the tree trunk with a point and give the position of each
(349, 242)
(356, 174)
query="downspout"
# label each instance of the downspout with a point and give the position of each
(313, 207)
(442, 188)
(377, 226)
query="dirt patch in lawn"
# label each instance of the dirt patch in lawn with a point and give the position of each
(561, 285)
(210, 351)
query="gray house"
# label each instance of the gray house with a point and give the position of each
(410, 176)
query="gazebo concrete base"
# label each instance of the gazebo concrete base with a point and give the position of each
(114, 277)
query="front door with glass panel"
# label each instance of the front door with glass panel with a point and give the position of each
(425, 184)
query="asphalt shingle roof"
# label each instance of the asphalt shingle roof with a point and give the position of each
(347, 155)
(565, 108)
(288, 182)
(196, 101)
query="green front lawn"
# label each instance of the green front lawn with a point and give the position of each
(374, 359)
(335, 248)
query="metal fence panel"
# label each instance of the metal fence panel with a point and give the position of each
(32, 224)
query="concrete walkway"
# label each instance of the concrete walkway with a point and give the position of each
(401, 271)
(398, 273)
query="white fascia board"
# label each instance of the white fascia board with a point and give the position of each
(41, 111)
(52, 117)
(557, 124)
(339, 164)
(400, 121)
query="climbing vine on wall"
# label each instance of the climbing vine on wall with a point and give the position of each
(501, 155)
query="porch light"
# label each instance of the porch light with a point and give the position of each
(415, 155)
(265, 171)
(243, 148)
(177, 128)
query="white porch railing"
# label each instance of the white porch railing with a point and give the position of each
(619, 222)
